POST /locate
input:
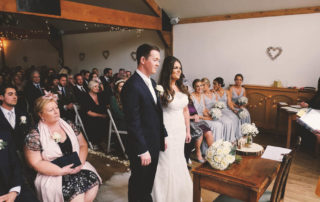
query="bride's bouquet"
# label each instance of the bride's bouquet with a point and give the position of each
(219, 105)
(215, 113)
(242, 101)
(243, 113)
(221, 154)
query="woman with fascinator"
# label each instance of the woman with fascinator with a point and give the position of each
(49, 147)
(172, 181)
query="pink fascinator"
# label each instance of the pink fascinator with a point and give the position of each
(48, 95)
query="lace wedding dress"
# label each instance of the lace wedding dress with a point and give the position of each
(173, 182)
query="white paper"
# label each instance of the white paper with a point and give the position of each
(275, 153)
(312, 119)
(290, 109)
(296, 106)
(283, 103)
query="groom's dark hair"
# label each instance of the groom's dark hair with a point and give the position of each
(144, 51)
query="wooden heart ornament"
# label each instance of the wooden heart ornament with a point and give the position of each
(105, 54)
(273, 53)
(82, 56)
(133, 55)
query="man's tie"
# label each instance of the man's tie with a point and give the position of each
(11, 119)
(63, 92)
(83, 90)
(38, 86)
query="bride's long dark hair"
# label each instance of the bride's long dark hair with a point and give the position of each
(165, 80)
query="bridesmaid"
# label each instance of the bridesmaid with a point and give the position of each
(198, 102)
(232, 130)
(236, 92)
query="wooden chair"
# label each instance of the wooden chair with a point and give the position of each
(279, 187)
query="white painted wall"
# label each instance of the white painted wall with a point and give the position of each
(120, 45)
(224, 48)
(38, 51)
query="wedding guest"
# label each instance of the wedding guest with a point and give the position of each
(71, 81)
(237, 91)
(13, 119)
(116, 106)
(79, 90)
(128, 73)
(95, 70)
(107, 83)
(315, 100)
(233, 129)
(12, 186)
(33, 89)
(85, 75)
(94, 77)
(94, 106)
(19, 86)
(51, 139)
(53, 82)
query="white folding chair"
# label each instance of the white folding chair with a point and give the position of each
(79, 122)
(113, 129)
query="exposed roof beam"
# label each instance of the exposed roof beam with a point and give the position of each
(293, 11)
(94, 14)
(154, 6)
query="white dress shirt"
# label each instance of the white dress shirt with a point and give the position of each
(148, 82)
(81, 88)
(6, 114)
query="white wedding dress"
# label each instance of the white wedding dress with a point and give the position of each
(172, 181)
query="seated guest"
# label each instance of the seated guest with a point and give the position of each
(53, 82)
(94, 77)
(33, 89)
(95, 70)
(236, 92)
(12, 187)
(71, 82)
(95, 107)
(116, 106)
(315, 101)
(51, 139)
(13, 119)
(85, 75)
(234, 130)
(129, 73)
(79, 90)
(18, 83)
(66, 98)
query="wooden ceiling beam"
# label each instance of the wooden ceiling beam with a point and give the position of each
(154, 7)
(93, 14)
(281, 12)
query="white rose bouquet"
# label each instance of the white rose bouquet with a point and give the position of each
(219, 105)
(242, 101)
(3, 144)
(215, 113)
(243, 114)
(221, 154)
(249, 130)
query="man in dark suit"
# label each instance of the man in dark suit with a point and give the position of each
(106, 80)
(12, 187)
(66, 98)
(33, 90)
(144, 118)
(79, 89)
(12, 119)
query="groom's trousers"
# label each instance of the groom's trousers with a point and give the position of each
(141, 179)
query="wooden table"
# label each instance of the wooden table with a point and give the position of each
(246, 181)
(291, 117)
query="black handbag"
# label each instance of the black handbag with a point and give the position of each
(65, 160)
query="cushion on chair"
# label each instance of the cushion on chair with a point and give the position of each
(224, 198)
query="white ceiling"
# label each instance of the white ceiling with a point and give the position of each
(199, 8)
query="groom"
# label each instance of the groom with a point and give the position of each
(146, 132)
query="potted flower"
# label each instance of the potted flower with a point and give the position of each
(249, 131)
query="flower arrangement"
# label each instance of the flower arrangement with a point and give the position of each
(249, 130)
(219, 105)
(56, 137)
(215, 113)
(242, 101)
(243, 114)
(159, 88)
(221, 154)
(3, 144)
(23, 119)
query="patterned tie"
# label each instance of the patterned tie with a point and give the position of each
(11, 119)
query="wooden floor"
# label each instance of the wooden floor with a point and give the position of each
(301, 184)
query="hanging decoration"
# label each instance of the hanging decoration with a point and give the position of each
(133, 55)
(273, 53)
(105, 54)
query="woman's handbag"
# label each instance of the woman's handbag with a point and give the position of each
(195, 129)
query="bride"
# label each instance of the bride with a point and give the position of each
(172, 181)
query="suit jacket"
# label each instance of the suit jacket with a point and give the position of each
(79, 94)
(107, 89)
(65, 100)
(10, 170)
(20, 130)
(144, 118)
(32, 93)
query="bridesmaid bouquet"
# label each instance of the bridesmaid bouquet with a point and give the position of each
(243, 114)
(215, 113)
(221, 154)
(219, 105)
(242, 101)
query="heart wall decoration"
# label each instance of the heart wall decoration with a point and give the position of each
(105, 54)
(273, 53)
(133, 55)
(82, 56)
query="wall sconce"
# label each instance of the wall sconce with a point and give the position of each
(1, 44)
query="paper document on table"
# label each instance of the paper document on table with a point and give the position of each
(296, 106)
(283, 103)
(275, 153)
(290, 109)
(311, 119)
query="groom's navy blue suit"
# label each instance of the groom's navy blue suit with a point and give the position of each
(146, 132)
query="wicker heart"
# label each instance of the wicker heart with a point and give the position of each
(273, 53)
(82, 56)
(106, 54)
(134, 56)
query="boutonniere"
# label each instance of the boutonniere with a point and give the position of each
(56, 137)
(159, 88)
(3, 144)
(23, 120)
(59, 92)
